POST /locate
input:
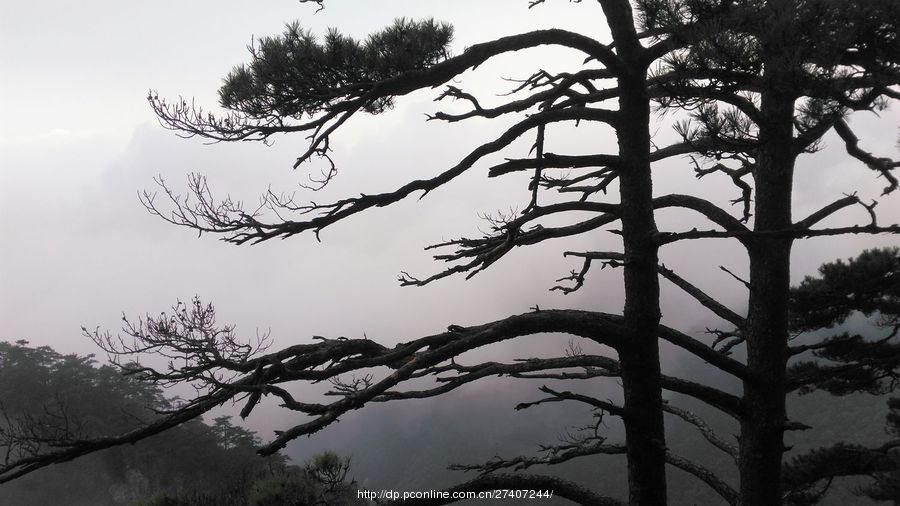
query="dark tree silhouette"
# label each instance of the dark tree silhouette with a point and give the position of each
(762, 82)
(764, 91)
(887, 477)
(845, 364)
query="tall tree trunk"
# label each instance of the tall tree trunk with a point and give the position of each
(644, 428)
(645, 436)
(762, 429)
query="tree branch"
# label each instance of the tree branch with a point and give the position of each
(616, 259)
(229, 218)
(883, 166)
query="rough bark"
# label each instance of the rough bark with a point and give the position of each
(644, 430)
(643, 413)
(762, 428)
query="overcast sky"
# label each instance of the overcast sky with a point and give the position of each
(78, 141)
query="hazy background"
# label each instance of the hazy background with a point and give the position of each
(78, 142)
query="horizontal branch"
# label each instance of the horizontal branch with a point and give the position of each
(469, 374)
(229, 217)
(554, 161)
(534, 368)
(409, 360)
(486, 250)
(670, 237)
(559, 86)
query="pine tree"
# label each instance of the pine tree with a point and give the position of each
(762, 81)
(846, 364)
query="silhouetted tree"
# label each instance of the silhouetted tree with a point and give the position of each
(845, 364)
(763, 81)
(764, 89)
(887, 474)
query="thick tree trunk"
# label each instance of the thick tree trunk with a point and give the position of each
(762, 429)
(644, 429)
(645, 437)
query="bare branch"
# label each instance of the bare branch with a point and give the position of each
(72, 449)
(509, 234)
(617, 259)
(707, 353)
(670, 237)
(708, 433)
(597, 446)
(705, 475)
(736, 176)
(703, 298)
(559, 85)
(330, 358)
(229, 218)
(883, 166)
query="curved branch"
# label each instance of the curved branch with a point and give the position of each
(408, 361)
(70, 450)
(699, 93)
(553, 160)
(355, 96)
(229, 218)
(206, 367)
(705, 475)
(827, 211)
(883, 166)
(709, 210)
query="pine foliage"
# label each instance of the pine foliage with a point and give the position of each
(296, 74)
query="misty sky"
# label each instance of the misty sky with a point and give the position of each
(78, 141)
